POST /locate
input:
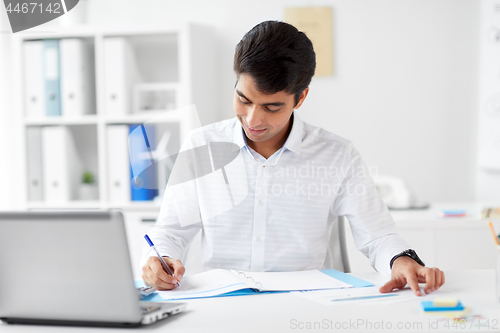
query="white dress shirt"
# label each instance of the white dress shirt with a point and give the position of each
(275, 214)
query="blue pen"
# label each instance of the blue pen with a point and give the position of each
(163, 263)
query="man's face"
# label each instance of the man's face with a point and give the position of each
(264, 118)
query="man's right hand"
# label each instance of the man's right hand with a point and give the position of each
(154, 275)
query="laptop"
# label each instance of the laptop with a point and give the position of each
(70, 268)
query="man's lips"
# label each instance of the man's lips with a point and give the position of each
(253, 130)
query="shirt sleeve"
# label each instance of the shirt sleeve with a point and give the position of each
(373, 227)
(169, 237)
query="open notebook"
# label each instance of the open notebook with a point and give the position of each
(221, 282)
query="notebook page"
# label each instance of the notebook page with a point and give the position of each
(206, 284)
(301, 280)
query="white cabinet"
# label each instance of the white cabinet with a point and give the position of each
(165, 66)
(446, 243)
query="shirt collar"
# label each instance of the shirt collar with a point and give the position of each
(292, 143)
(294, 140)
(238, 135)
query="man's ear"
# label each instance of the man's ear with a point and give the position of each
(302, 97)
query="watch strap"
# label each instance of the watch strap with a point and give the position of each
(408, 253)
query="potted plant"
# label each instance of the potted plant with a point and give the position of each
(88, 189)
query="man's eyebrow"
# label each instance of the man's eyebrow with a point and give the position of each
(275, 104)
(265, 104)
(241, 94)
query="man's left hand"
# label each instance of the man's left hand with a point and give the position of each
(406, 270)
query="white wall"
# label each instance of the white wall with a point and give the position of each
(404, 84)
(488, 143)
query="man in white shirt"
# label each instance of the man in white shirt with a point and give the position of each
(284, 185)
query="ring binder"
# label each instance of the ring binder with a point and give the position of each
(247, 279)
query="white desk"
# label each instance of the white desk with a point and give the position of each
(287, 313)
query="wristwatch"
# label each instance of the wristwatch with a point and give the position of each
(408, 253)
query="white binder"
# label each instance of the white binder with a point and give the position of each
(118, 164)
(76, 77)
(119, 74)
(34, 85)
(34, 157)
(62, 169)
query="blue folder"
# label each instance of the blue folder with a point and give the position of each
(52, 75)
(144, 182)
(346, 278)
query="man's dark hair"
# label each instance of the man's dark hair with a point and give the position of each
(278, 57)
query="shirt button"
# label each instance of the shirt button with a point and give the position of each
(258, 239)
(261, 202)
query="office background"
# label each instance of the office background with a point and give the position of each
(404, 86)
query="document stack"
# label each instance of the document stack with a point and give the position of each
(35, 173)
(119, 177)
(119, 74)
(61, 165)
(58, 77)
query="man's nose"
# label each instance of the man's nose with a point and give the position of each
(253, 116)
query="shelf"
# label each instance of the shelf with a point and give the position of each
(68, 205)
(48, 121)
(69, 32)
(144, 117)
(85, 31)
(137, 206)
(95, 205)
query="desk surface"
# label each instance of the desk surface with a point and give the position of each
(286, 312)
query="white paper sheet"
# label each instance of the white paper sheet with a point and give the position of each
(220, 281)
(206, 284)
(364, 295)
(301, 280)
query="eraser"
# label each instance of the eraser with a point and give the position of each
(445, 301)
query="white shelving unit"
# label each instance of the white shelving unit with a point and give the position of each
(181, 56)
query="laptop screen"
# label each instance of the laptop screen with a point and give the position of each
(66, 266)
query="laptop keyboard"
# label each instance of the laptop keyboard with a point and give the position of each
(149, 309)
(145, 292)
